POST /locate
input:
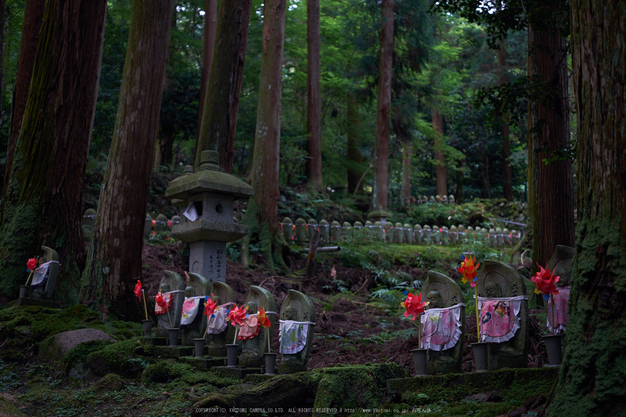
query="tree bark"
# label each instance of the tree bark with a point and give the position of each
(33, 16)
(507, 176)
(383, 112)
(553, 191)
(354, 143)
(402, 132)
(441, 171)
(590, 381)
(314, 99)
(43, 198)
(219, 116)
(210, 25)
(262, 213)
(114, 261)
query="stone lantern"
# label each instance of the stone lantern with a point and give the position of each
(207, 223)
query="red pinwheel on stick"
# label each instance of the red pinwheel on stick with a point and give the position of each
(209, 310)
(545, 282)
(469, 271)
(265, 322)
(415, 308)
(30, 267)
(236, 317)
(164, 303)
(138, 292)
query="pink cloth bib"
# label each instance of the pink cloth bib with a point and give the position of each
(560, 311)
(441, 328)
(250, 328)
(496, 319)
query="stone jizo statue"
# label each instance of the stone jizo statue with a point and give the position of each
(296, 332)
(443, 324)
(503, 315)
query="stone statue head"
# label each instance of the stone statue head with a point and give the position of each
(492, 290)
(291, 313)
(165, 287)
(252, 307)
(190, 292)
(435, 299)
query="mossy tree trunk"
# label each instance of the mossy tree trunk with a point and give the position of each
(262, 213)
(380, 187)
(402, 131)
(33, 16)
(219, 115)
(314, 99)
(591, 381)
(43, 198)
(552, 207)
(210, 26)
(114, 259)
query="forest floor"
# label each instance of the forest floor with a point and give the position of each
(358, 320)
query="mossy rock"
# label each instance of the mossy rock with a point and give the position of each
(110, 382)
(355, 386)
(7, 409)
(117, 358)
(162, 372)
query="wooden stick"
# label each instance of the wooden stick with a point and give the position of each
(145, 307)
(477, 317)
(208, 322)
(552, 301)
(236, 330)
(419, 331)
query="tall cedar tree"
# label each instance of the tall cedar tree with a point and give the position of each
(114, 260)
(354, 142)
(591, 377)
(507, 175)
(43, 198)
(262, 214)
(33, 16)
(314, 99)
(219, 114)
(383, 112)
(210, 26)
(551, 201)
(440, 169)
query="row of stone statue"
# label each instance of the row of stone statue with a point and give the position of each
(503, 315)
(299, 233)
(186, 312)
(159, 224)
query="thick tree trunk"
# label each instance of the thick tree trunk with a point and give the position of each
(33, 16)
(507, 176)
(114, 261)
(210, 25)
(591, 378)
(441, 170)
(552, 176)
(262, 213)
(383, 111)
(219, 116)
(314, 99)
(43, 198)
(354, 143)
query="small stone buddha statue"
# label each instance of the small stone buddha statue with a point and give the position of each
(443, 324)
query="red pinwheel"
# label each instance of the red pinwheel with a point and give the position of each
(209, 306)
(264, 321)
(162, 302)
(545, 282)
(414, 306)
(138, 289)
(31, 264)
(468, 269)
(236, 315)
